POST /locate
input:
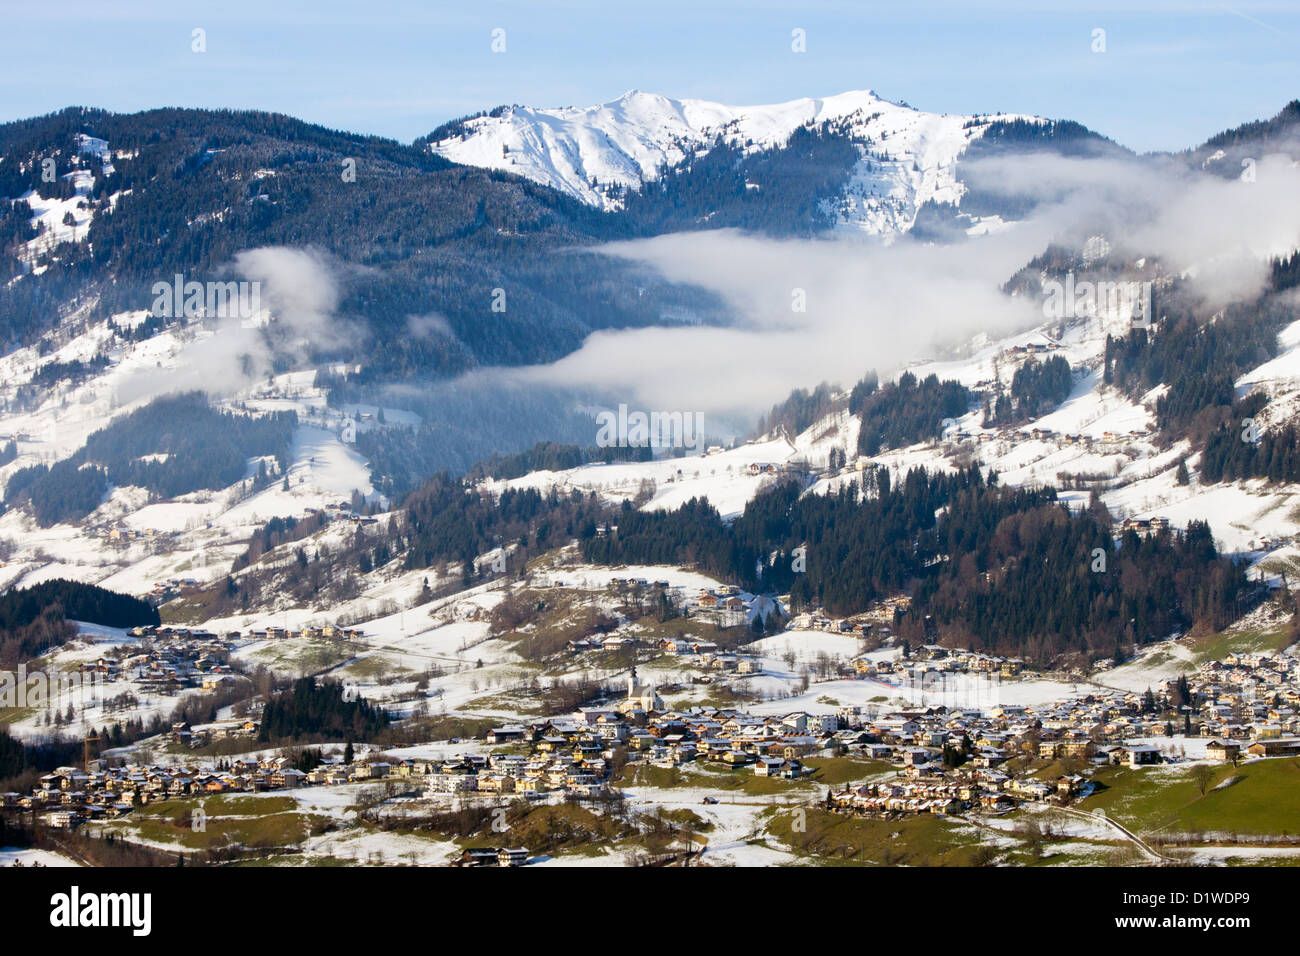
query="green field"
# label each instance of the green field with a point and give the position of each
(1263, 799)
(1215, 647)
(921, 840)
(263, 822)
(842, 770)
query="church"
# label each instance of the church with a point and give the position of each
(640, 697)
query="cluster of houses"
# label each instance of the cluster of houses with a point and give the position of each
(1145, 526)
(928, 664)
(200, 735)
(168, 666)
(1247, 705)
(725, 605)
(575, 755)
(342, 511)
(232, 639)
(937, 793)
(70, 796)
(493, 856)
(120, 532)
(948, 759)
(568, 760)
(875, 621)
(1247, 697)
(164, 591)
(1107, 441)
(1030, 348)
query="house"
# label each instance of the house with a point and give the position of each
(452, 783)
(1141, 755)
(1275, 747)
(915, 756)
(480, 856)
(496, 783)
(512, 856)
(778, 767)
(1222, 750)
(1069, 785)
(500, 735)
(288, 779)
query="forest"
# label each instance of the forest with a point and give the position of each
(172, 446)
(1039, 581)
(774, 192)
(1036, 388)
(1240, 448)
(314, 710)
(1205, 355)
(422, 236)
(1002, 569)
(802, 408)
(445, 521)
(902, 413)
(35, 619)
(551, 456)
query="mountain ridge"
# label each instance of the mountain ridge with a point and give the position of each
(596, 154)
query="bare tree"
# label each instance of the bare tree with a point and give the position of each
(1202, 774)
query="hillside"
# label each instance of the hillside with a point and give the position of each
(901, 158)
(396, 235)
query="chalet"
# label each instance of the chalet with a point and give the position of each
(1140, 755)
(915, 756)
(1222, 750)
(778, 767)
(480, 857)
(1275, 747)
(506, 733)
(512, 856)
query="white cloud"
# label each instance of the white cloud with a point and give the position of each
(870, 306)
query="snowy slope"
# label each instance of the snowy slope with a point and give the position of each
(1096, 434)
(195, 535)
(906, 156)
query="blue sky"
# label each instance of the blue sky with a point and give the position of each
(1172, 73)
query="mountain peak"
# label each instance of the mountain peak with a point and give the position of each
(906, 157)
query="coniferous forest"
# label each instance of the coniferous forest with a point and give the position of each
(1007, 570)
(904, 412)
(35, 618)
(172, 446)
(1036, 388)
(319, 710)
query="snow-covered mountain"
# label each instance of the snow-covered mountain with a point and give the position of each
(905, 156)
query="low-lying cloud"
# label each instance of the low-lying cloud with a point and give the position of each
(1222, 231)
(806, 311)
(871, 306)
(298, 293)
